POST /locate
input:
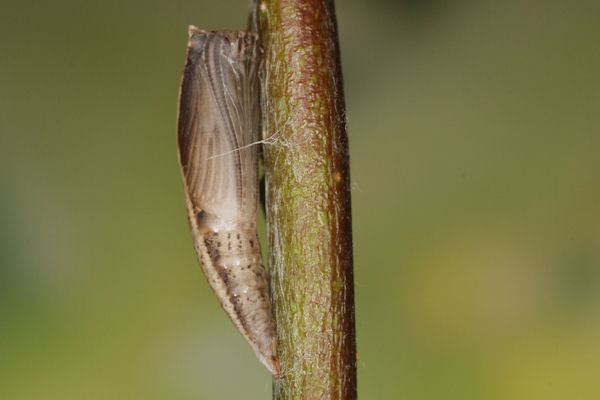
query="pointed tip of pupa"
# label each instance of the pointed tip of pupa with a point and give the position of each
(272, 365)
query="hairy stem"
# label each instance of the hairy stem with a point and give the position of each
(308, 199)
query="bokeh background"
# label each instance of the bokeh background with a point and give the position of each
(474, 136)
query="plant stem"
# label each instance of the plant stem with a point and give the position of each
(308, 199)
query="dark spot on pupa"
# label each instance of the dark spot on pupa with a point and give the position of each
(252, 243)
(219, 244)
(238, 236)
(237, 307)
(224, 277)
(200, 216)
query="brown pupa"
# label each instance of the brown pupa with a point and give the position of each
(218, 125)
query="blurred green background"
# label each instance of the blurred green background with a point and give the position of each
(474, 135)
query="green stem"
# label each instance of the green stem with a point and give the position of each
(308, 199)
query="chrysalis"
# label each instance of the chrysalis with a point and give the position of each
(218, 122)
